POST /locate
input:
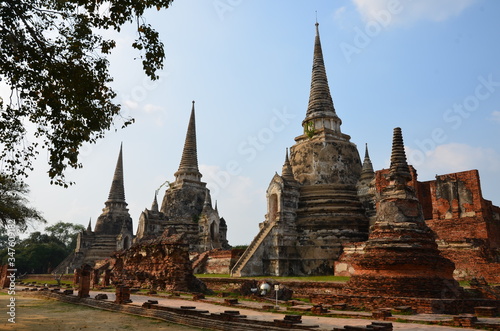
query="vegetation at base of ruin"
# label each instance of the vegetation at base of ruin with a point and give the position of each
(309, 129)
(54, 58)
(212, 276)
(405, 313)
(49, 282)
(289, 278)
(465, 283)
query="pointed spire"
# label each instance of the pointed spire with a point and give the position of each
(287, 172)
(117, 191)
(367, 170)
(208, 201)
(188, 168)
(320, 101)
(154, 206)
(399, 172)
(89, 227)
(215, 208)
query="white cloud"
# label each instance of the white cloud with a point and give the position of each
(339, 14)
(150, 108)
(407, 11)
(453, 157)
(130, 104)
(495, 116)
(344, 17)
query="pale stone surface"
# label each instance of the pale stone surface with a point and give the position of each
(313, 207)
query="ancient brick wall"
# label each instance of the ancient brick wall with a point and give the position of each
(221, 261)
(466, 225)
(159, 264)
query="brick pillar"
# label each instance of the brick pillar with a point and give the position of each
(107, 276)
(95, 278)
(122, 294)
(76, 276)
(85, 275)
(4, 281)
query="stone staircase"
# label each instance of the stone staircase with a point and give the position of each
(67, 263)
(199, 261)
(250, 251)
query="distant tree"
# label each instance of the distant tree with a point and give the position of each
(40, 258)
(37, 254)
(14, 204)
(66, 233)
(54, 58)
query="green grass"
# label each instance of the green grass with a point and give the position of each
(292, 278)
(464, 283)
(212, 276)
(50, 282)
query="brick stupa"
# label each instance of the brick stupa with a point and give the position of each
(401, 257)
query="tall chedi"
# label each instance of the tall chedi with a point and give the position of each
(112, 232)
(187, 205)
(115, 214)
(313, 206)
(185, 198)
(327, 166)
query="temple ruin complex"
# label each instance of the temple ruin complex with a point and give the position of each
(321, 210)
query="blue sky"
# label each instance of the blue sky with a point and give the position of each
(431, 67)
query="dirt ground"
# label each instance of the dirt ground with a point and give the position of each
(34, 314)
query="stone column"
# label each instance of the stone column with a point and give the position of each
(85, 275)
(122, 294)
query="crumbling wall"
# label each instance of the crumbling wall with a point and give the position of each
(159, 264)
(220, 261)
(467, 226)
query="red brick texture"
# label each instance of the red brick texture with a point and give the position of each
(465, 225)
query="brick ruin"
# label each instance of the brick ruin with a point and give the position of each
(466, 226)
(158, 264)
(83, 279)
(216, 261)
(4, 276)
